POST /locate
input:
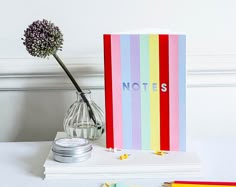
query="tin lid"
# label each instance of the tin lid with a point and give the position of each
(71, 146)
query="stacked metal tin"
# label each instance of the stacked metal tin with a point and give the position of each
(70, 150)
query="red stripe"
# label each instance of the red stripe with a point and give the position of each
(206, 183)
(164, 96)
(108, 91)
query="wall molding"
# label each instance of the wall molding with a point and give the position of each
(211, 70)
(46, 74)
(215, 70)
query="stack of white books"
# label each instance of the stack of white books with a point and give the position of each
(106, 165)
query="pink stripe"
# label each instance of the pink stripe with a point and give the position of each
(174, 92)
(116, 90)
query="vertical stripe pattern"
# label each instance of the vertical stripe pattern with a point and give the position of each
(154, 91)
(135, 79)
(164, 92)
(145, 91)
(182, 92)
(174, 92)
(116, 91)
(145, 94)
(108, 92)
(126, 92)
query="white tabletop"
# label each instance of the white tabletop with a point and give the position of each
(21, 164)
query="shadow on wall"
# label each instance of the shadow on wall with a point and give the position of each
(36, 115)
(33, 115)
(42, 115)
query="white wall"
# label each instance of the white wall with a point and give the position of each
(34, 93)
(209, 24)
(36, 115)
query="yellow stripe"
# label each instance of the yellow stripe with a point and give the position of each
(154, 95)
(198, 185)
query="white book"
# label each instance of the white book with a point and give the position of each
(140, 164)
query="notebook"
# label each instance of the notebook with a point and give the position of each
(145, 91)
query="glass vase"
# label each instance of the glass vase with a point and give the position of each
(78, 121)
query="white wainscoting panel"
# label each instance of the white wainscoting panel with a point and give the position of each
(46, 74)
(33, 115)
(35, 95)
(212, 70)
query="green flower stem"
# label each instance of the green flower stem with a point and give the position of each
(91, 114)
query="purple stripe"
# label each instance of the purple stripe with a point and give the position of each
(135, 87)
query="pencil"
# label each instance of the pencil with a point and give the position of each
(198, 184)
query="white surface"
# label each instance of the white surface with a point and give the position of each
(22, 164)
(140, 164)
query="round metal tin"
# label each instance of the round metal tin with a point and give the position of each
(70, 150)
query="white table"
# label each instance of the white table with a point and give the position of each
(21, 164)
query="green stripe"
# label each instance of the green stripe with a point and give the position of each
(145, 94)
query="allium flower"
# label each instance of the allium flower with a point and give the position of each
(43, 38)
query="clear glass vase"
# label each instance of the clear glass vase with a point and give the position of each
(78, 121)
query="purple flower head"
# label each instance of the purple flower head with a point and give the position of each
(43, 38)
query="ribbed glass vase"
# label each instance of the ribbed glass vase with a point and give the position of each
(78, 121)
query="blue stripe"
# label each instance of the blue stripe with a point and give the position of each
(182, 92)
(126, 91)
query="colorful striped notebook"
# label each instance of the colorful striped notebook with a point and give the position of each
(145, 90)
